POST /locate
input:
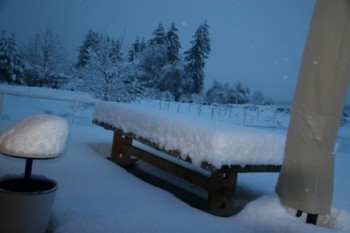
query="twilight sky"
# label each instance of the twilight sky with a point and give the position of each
(256, 42)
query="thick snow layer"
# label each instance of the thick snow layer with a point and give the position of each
(201, 139)
(38, 136)
(267, 215)
(95, 195)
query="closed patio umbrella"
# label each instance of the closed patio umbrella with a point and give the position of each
(306, 178)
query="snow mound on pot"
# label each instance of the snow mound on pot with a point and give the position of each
(40, 136)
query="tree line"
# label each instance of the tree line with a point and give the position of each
(150, 68)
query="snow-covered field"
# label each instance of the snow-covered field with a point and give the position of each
(95, 195)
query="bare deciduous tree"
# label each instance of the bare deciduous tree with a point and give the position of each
(45, 59)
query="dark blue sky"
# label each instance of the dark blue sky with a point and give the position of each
(256, 42)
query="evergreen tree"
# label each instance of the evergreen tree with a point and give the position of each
(196, 55)
(158, 56)
(11, 65)
(131, 55)
(205, 38)
(172, 77)
(116, 54)
(154, 57)
(159, 36)
(152, 60)
(90, 43)
(136, 48)
(142, 45)
(133, 50)
(173, 44)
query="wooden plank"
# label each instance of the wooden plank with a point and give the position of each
(253, 168)
(187, 174)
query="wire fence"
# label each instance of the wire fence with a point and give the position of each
(270, 117)
(15, 105)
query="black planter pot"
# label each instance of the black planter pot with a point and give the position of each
(26, 205)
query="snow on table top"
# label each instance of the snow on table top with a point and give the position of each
(202, 140)
(39, 136)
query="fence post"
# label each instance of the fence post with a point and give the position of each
(2, 99)
(274, 117)
(74, 112)
(244, 115)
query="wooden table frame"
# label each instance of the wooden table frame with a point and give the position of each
(221, 183)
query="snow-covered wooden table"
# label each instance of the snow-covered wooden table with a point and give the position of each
(207, 153)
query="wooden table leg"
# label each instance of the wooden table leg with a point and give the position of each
(118, 154)
(221, 192)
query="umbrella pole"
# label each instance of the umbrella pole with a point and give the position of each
(311, 218)
(28, 169)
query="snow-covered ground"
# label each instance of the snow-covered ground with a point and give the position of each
(95, 195)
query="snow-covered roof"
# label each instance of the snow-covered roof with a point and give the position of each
(40, 136)
(201, 139)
